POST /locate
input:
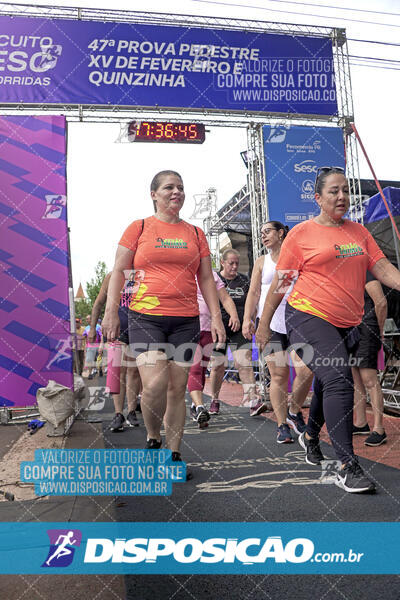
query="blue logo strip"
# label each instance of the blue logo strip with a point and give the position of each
(192, 548)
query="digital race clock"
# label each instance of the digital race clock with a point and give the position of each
(157, 131)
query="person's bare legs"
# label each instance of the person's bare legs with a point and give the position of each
(371, 384)
(197, 370)
(153, 369)
(175, 415)
(301, 384)
(244, 365)
(279, 372)
(133, 381)
(197, 397)
(217, 375)
(118, 399)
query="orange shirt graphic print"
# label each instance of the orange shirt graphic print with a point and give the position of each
(144, 304)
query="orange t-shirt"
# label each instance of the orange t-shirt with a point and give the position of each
(168, 254)
(332, 263)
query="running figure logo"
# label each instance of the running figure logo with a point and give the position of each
(62, 547)
(49, 57)
(55, 207)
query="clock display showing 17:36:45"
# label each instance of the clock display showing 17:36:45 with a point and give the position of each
(165, 131)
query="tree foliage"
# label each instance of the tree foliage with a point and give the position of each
(94, 285)
(84, 307)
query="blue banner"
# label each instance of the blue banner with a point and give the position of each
(128, 64)
(292, 157)
(375, 209)
(192, 548)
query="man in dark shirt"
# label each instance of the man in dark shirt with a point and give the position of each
(237, 286)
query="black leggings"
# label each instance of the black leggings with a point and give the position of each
(325, 349)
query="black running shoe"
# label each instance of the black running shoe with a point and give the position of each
(132, 419)
(176, 457)
(117, 424)
(153, 444)
(364, 430)
(193, 412)
(351, 478)
(202, 417)
(311, 447)
(283, 435)
(375, 439)
(296, 422)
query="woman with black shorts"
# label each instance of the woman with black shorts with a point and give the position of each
(163, 315)
(330, 257)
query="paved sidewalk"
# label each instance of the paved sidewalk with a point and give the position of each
(66, 509)
(240, 474)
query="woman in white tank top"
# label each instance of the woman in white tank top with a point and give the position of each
(273, 233)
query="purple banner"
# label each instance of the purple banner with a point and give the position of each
(130, 64)
(34, 308)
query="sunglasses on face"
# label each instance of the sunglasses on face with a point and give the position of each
(325, 170)
(265, 231)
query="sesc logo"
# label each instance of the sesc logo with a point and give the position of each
(307, 186)
(307, 191)
(191, 550)
(306, 166)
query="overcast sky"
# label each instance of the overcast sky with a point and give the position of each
(108, 181)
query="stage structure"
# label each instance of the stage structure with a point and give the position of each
(105, 65)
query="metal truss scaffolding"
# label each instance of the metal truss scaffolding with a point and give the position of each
(254, 195)
(110, 112)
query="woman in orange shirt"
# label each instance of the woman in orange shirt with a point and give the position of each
(163, 316)
(330, 255)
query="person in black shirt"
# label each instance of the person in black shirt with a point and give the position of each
(365, 374)
(237, 286)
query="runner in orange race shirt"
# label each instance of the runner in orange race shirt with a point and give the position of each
(167, 254)
(331, 256)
